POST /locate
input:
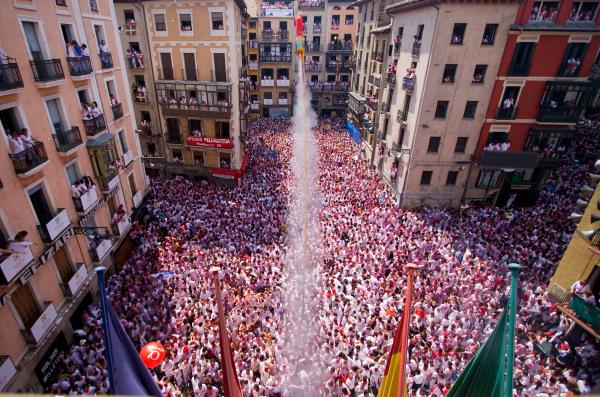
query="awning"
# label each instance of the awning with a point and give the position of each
(508, 160)
(102, 140)
(383, 29)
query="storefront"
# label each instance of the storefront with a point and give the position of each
(51, 363)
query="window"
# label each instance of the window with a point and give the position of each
(489, 34)
(55, 111)
(128, 14)
(440, 109)
(63, 265)
(132, 185)
(521, 61)
(449, 72)
(160, 22)
(177, 155)
(252, 25)
(470, 108)
(420, 30)
(451, 178)
(268, 95)
(434, 144)
(571, 63)
(185, 22)
(67, 32)
(32, 36)
(198, 158)
(26, 305)
(123, 141)
(479, 74)
(216, 19)
(488, 179)
(583, 11)
(195, 127)
(222, 129)
(426, 178)
(544, 11)
(72, 173)
(41, 205)
(283, 95)
(349, 20)
(225, 160)
(458, 33)
(497, 137)
(461, 144)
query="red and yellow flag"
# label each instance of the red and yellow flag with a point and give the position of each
(391, 378)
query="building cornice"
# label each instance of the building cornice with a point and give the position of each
(407, 5)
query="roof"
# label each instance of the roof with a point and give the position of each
(508, 160)
(100, 141)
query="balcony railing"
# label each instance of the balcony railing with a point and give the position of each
(67, 140)
(117, 111)
(79, 66)
(586, 312)
(43, 324)
(391, 78)
(100, 247)
(11, 265)
(10, 77)
(55, 226)
(175, 139)
(416, 49)
(312, 67)
(253, 65)
(28, 159)
(559, 113)
(94, 125)
(109, 181)
(594, 73)
(503, 113)
(47, 70)
(335, 87)
(253, 44)
(86, 200)
(408, 83)
(377, 56)
(316, 28)
(281, 35)
(401, 116)
(343, 67)
(119, 228)
(131, 28)
(275, 57)
(519, 70)
(318, 4)
(339, 46)
(283, 82)
(311, 46)
(106, 60)
(217, 109)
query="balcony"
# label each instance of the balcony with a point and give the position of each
(109, 182)
(311, 4)
(55, 226)
(372, 103)
(86, 201)
(106, 60)
(254, 106)
(146, 130)
(283, 35)
(595, 244)
(137, 198)
(117, 111)
(416, 49)
(47, 70)
(275, 57)
(10, 77)
(201, 110)
(100, 247)
(201, 99)
(11, 265)
(253, 65)
(503, 113)
(391, 78)
(127, 158)
(253, 44)
(519, 70)
(385, 107)
(586, 315)
(283, 82)
(560, 114)
(335, 87)
(337, 67)
(66, 141)
(7, 371)
(174, 138)
(79, 66)
(316, 28)
(408, 83)
(267, 101)
(94, 126)
(312, 67)
(131, 28)
(377, 56)
(282, 101)
(312, 47)
(339, 46)
(43, 324)
(120, 228)
(267, 83)
(594, 74)
(29, 161)
(401, 116)
(78, 280)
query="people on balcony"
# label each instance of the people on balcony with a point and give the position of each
(15, 144)
(572, 66)
(146, 126)
(85, 51)
(78, 189)
(409, 74)
(391, 70)
(497, 146)
(103, 47)
(120, 215)
(19, 243)
(26, 138)
(141, 94)
(196, 132)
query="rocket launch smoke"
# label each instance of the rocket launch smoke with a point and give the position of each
(304, 252)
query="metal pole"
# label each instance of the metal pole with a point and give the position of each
(412, 269)
(107, 347)
(512, 314)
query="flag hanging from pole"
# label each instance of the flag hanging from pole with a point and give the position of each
(484, 375)
(391, 377)
(231, 383)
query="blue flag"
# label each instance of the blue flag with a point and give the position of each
(129, 374)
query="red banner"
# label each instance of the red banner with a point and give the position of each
(219, 143)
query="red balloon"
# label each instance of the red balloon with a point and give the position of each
(152, 354)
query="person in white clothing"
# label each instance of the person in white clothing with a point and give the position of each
(15, 143)
(18, 243)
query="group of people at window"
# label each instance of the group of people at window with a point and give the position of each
(21, 142)
(74, 50)
(192, 103)
(140, 92)
(545, 12)
(340, 44)
(497, 146)
(135, 59)
(90, 111)
(82, 186)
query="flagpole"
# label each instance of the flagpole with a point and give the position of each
(107, 347)
(411, 269)
(512, 315)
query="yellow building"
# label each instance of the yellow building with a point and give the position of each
(44, 84)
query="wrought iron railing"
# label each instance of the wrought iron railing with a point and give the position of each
(28, 159)
(67, 140)
(10, 76)
(79, 66)
(47, 70)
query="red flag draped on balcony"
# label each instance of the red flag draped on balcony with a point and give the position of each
(231, 383)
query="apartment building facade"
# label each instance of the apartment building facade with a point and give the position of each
(47, 174)
(548, 76)
(253, 69)
(198, 103)
(422, 90)
(276, 58)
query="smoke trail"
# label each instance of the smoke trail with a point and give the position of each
(304, 252)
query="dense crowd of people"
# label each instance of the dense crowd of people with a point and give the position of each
(164, 292)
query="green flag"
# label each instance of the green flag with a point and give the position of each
(484, 375)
